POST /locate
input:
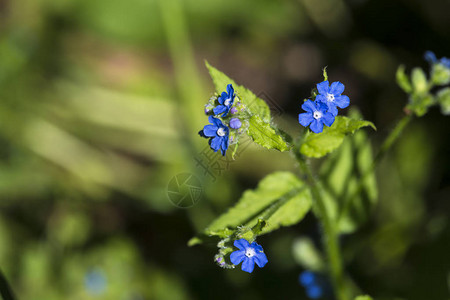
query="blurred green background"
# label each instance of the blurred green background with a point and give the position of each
(101, 102)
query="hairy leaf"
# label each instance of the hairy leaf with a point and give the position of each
(319, 144)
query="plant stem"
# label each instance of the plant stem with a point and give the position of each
(330, 238)
(387, 144)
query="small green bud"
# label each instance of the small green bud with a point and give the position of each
(443, 98)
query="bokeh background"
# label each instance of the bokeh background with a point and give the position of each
(101, 102)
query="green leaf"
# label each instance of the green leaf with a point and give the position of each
(403, 80)
(255, 105)
(347, 203)
(419, 81)
(265, 135)
(364, 297)
(281, 199)
(443, 98)
(319, 144)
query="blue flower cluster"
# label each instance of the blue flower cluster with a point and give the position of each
(323, 109)
(249, 254)
(218, 131)
(431, 58)
(312, 284)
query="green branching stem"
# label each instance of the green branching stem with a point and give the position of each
(385, 147)
(330, 238)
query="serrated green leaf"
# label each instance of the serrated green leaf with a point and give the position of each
(255, 105)
(403, 80)
(419, 81)
(281, 199)
(340, 179)
(319, 144)
(443, 98)
(263, 134)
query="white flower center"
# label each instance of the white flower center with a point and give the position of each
(227, 102)
(317, 115)
(330, 97)
(221, 131)
(249, 252)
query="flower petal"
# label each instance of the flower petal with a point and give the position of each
(332, 108)
(261, 259)
(219, 109)
(227, 110)
(308, 105)
(230, 91)
(237, 256)
(305, 118)
(336, 88)
(224, 145)
(342, 101)
(430, 57)
(241, 244)
(321, 99)
(210, 130)
(222, 97)
(215, 143)
(314, 291)
(307, 278)
(328, 119)
(316, 126)
(323, 87)
(257, 247)
(248, 265)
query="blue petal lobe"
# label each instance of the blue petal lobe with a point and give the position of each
(241, 244)
(248, 265)
(342, 101)
(430, 57)
(308, 105)
(305, 119)
(321, 98)
(328, 119)
(323, 87)
(237, 256)
(332, 109)
(336, 88)
(260, 259)
(307, 278)
(215, 143)
(210, 130)
(316, 126)
(219, 109)
(257, 247)
(224, 145)
(230, 90)
(314, 291)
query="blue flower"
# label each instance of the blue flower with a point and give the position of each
(314, 291)
(331, 96)
(315, 116)
(312, 283)
(431, 58)
(218, 134)
(250, 254)
(225, 102)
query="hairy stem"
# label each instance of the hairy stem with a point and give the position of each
(330, 238)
